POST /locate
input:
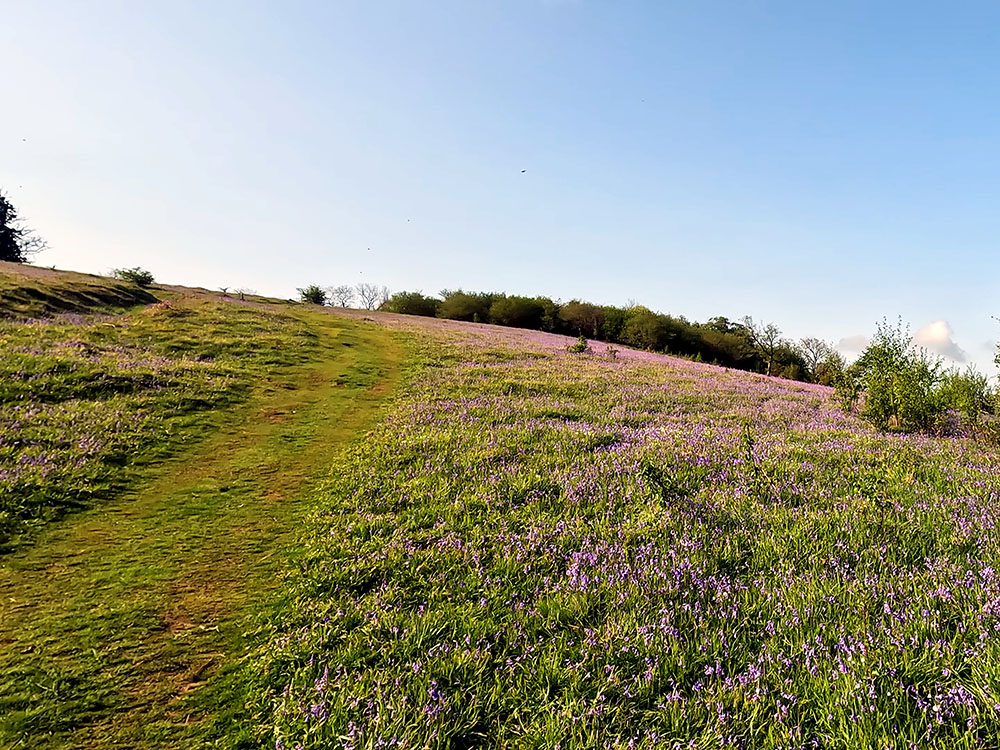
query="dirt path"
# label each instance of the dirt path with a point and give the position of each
(121, 625)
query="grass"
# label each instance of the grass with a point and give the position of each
(540, 549)
(86, 402)
(123, 623)
(31, 292)
(531, 548)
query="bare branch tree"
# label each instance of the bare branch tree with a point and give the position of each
(383, 295)
(342, 296)
(368, 294)
(766, 338)
(814, 351)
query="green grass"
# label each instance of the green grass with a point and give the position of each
(566, 551)
(123, 623)
(30, 292)
(86, 402)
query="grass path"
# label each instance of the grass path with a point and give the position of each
(122, 626)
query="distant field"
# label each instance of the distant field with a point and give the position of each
(548, 550)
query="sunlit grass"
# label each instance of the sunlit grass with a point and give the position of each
(553, 550)
(86, 400)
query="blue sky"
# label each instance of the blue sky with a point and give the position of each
(818, 165)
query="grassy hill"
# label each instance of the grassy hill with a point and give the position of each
(545, 549)
(464, 536)
(33, 292)
(154, 463)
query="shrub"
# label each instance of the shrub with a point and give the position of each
(412, 303)
(896, 383)
(313, 294)
(517, 312)
(139, 276)
(459, 305)
(967, 393)
(580, 347)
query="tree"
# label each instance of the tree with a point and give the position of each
(831, 370)
(899, 382)
(459, 305)
(814, 351)
(313, 294)
(766, 338)
(412, 303)
(369, 295)
(582, 318)
(644, 329)
(341, 296)
(17, 242)
(138, 276)
(517, 312)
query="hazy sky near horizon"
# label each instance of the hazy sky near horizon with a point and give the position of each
(818, 165)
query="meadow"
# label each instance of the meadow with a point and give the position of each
(155, 463)
(86, 400)
(252, 525)
(540, 549)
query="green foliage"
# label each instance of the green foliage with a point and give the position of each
(830, 370)
(459, 305)
(517, 312)
(138, 276)
(968, 393)
(580, 347)
(582, 318)
(644, 329)
(412, 303)
(313, 295)
(901, 387)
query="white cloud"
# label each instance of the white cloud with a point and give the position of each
(853, 344)
(937, 337)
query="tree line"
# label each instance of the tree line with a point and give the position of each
(744, 344)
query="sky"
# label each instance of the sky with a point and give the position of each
(821, 166)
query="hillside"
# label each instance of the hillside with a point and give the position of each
(154, 465)
(461, 535)
(545, 549)
(33, 292)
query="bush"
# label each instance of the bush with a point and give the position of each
(967, 393)
(139, 276)
(461, 305)
(412, 303)
(517, 312)
(313, 294)
(896, 383)
(580, 347)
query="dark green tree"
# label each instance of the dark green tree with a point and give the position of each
(313, 294)
(17, 242)
(412, 303)
(518, 312)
